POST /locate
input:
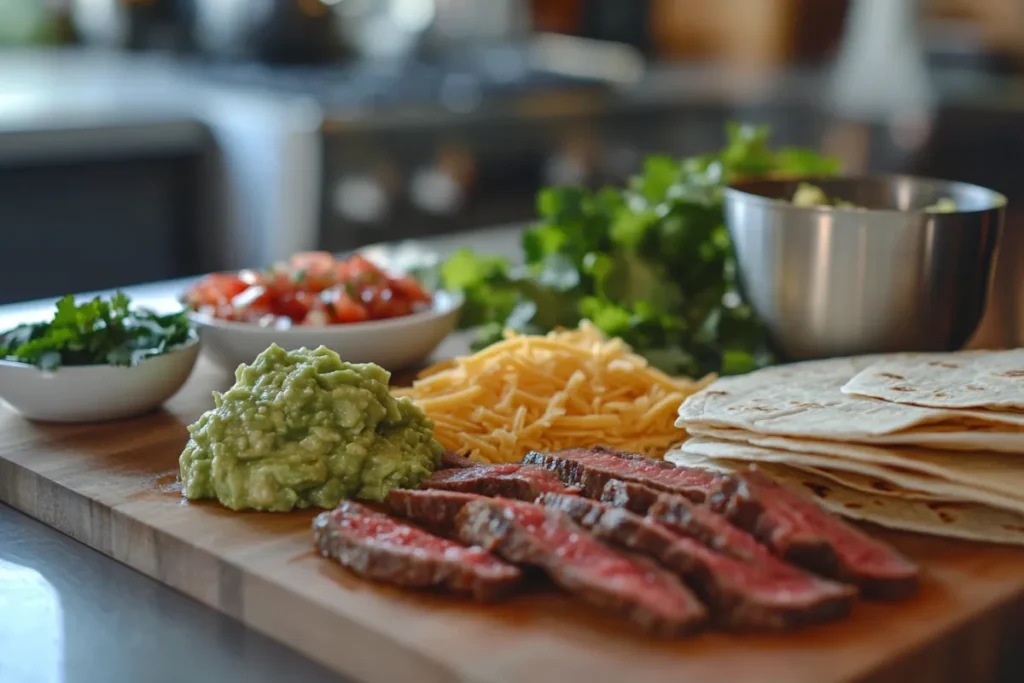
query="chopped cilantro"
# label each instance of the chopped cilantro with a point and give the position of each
(96, 332)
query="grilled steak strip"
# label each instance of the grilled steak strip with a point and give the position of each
(434, 509)
(591, 469)
(377, 547)
(648, 596)
(514, 480)
(741, 595)
(793, 526)
(784, 519)
(706, 526)
(628, 495)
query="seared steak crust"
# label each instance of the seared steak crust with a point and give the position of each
(742, 595)
(647, 596)
(380, 548)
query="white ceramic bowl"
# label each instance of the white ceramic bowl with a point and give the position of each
(93, 393)
(393, 344)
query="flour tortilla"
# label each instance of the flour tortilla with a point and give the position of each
(874, 486)
(997, 473)
(859, 474)
(956, 520)
(991, 380)
(804, 400)
(850, 477)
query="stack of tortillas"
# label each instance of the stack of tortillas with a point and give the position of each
(932, 443)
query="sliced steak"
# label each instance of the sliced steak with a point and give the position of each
(648, 596)
(629, 496)
(788, 521)
(742, 595)
(715, 531)
(793, 526)
(451, 460)
(434, 509)
(514, 480)
(381, 548)
(591, 469)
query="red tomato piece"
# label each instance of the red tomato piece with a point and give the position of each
(294, 305)
(312, 263)
(381, 302)
(217, 289)
(358, 269)
(254, 303)
(407, 287)
(312, 288)
(347, 310)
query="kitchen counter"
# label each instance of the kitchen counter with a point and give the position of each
(69, 614)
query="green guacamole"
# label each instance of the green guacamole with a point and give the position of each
(303, 428)
(812, 195)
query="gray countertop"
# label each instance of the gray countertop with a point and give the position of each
(69, 614)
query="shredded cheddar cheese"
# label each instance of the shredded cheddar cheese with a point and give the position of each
(566, 389)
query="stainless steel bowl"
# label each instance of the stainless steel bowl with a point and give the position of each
(835, 282)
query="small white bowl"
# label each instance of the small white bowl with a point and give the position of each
(94, 393)
(393, 344)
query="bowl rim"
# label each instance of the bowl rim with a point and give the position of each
(455, 301)
(736, 190)
(192, 343)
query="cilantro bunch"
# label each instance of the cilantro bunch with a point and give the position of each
(97, 332)
(651, 262)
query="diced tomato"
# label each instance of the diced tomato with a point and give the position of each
(312, 288)
(380, 302)
(216, 289)
(313, 263)
(294, 305)
(407, 287)
(358, 269)
(346, 310)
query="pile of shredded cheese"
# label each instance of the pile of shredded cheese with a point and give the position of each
(566, 389)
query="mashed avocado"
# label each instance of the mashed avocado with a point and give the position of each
(303, 428)
(812, 195)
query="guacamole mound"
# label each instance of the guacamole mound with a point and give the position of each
(303, 428)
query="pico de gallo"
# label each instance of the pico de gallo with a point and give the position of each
(311, 288)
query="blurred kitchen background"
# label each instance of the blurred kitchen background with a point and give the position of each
(149, 139)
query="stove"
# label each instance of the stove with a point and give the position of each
(421, 147)
(390, 151)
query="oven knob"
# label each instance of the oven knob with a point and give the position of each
(442, 188)
(361, 198)
(574, 164)
(564, 169)
(436, 192)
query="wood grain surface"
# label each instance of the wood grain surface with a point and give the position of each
(113, 487)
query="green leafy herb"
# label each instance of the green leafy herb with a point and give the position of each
(651, 263)
(96, 332)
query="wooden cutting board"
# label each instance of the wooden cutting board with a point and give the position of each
(112, 486)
